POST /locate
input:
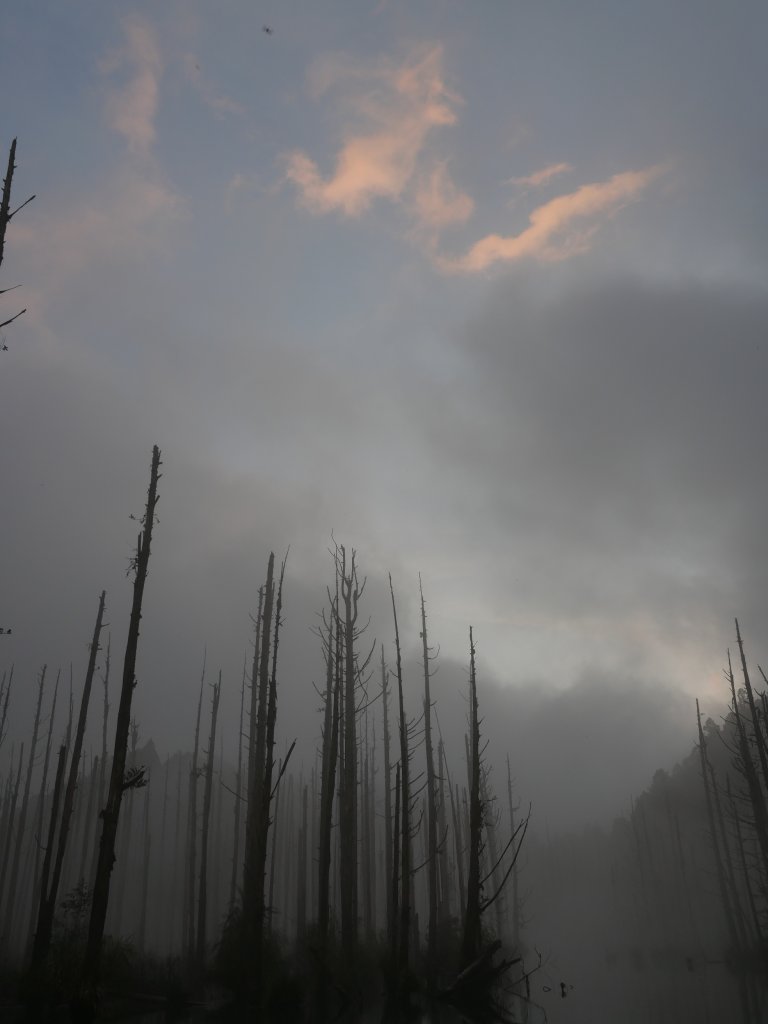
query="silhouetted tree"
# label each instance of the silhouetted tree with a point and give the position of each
(118, 782)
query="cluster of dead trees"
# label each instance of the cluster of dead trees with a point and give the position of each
(736, 800)
(364, 851)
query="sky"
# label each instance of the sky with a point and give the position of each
(476, 289)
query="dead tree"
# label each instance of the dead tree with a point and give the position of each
(147, 837)
(238, 801)
(6, 215)
(118, 782)
(191, 853)
(471, 941)
(351, 592)
(10, 820)
(11, 892)
(330, 754)
(5, 695)
(104, 755)
(260, 786)
(404, 824)
(48, 904)
(202, 900)
(41, 802)
(431, 798)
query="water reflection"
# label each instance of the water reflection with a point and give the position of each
(705, 996)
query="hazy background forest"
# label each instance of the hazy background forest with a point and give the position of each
(478, 294)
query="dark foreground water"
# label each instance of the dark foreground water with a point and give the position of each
(704, 995)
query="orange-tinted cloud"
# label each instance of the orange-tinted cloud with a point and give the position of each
(559, 228)
(438, 203)
(541, 177)
(131, 110)
(380, 156)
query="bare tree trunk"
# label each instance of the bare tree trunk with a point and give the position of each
(118, 782)
(515, 876)
(178, 930)
(90, 815)
(238, 800)
(387, 797)
(5, 696)
(191, 855)
(52, 826)
(145, 874)
(104, 755)
(12, 893)
(350, 593)
(41, 806)
(126, 833)
(9, 825)
(404, 930)
(202, 901)
(471, 941)
(431, 797)
(444, 873)
(6, 214)
(327, 790)
(301, 887)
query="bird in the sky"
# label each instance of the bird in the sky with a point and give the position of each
(267, 30)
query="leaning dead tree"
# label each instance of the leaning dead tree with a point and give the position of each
(6, 215)
(48, 899)
(118, 782)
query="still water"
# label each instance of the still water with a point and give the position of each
(708, 995)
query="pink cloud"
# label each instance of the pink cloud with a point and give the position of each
(559, 228)
(380, 156)
(438, 203)
(541, 177)
(131, 110)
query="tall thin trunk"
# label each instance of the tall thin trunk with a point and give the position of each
(125, 836)
(387, 796)
(327, 788)
(253, 884)
(104, 755)
(145, 874)
(238, 799)
(41, 805)
(9, 824)
(431, 796)
(404, 929)
(52, 826)
(191, 855)
(471, 940)
(12, 891)
(6, 696)
(202, 901)
(165, 901)
(301, 886)
(117, 783)
(350, 593)
(45, 922)
(515, 876)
